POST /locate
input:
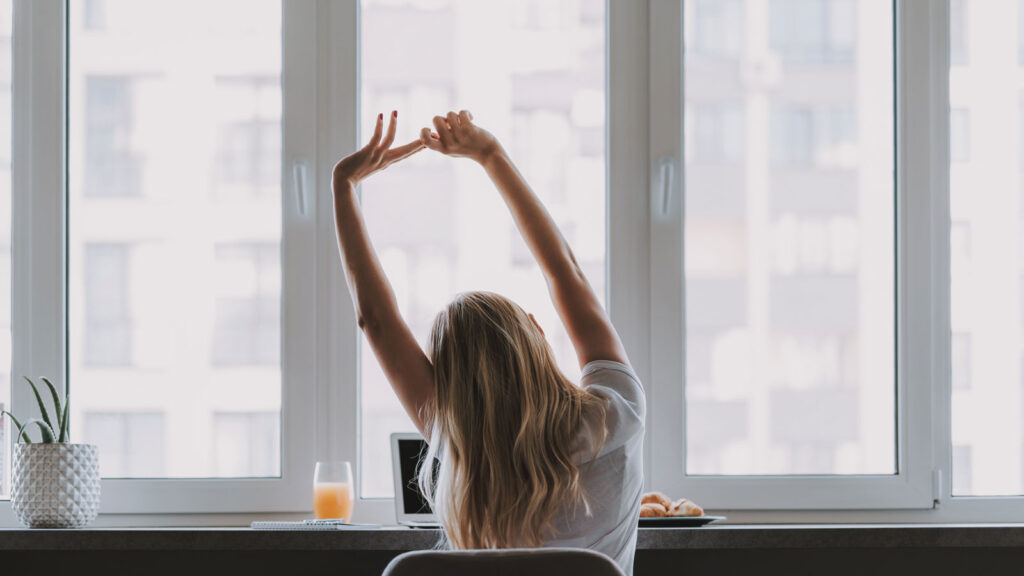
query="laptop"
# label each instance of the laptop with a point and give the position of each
(411, 508)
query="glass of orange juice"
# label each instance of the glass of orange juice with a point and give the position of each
(332, 490)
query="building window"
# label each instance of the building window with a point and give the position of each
(247, 325)
(715, 35)
(131, 444)
(804, 136)
(249, 135)
(1020, 32)
(958, 32)
(814, 32)
(108, 323)
(112, 168)
(247, 444)
(94, 14)
(719, 134)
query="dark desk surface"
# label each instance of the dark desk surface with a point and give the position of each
(724, 537)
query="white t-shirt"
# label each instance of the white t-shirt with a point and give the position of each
(613, 481)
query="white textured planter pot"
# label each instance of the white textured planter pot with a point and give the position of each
(55, 485)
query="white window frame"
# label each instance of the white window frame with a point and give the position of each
(910, 487)
(40, 275)
(320, 360)
(626, 206)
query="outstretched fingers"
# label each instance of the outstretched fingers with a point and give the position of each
(403, 152)
(430, 140)
(378, 131)
(392, 128)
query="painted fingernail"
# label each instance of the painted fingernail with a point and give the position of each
(396, 113)
(380, 116)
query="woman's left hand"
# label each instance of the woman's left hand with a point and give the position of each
(375, 156)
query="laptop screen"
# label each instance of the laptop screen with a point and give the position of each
(410, 450)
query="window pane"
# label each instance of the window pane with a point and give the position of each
(6, 119)
(789, 237)
(174, 234)
(986, 266)
(438, 225)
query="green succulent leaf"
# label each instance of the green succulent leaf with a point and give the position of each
(42, 407)
(24, 435)
(63, 437)
(45, 429)
(56, 402)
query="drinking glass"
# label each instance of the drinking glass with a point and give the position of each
(333, 496)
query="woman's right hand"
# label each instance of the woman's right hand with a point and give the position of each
(456, 135)
(375, 156)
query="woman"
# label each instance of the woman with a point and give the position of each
(527, 458)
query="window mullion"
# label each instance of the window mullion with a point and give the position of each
(923, 243)
(666, 420)
(628, 244)
(38, 209)
(337, 334)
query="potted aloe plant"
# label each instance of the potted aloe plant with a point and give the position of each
(55, 484)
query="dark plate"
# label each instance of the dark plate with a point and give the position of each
(678, 521)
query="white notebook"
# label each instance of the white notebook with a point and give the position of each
(310, 525)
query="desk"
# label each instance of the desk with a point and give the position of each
(877, 550)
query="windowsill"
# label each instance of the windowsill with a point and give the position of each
(394, 538)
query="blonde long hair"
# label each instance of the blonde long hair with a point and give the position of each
(504, 425)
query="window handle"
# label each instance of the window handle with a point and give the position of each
(666, 168)
(300, 180)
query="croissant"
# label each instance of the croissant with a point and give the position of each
(656, 498)
(652, 510)
(684, 507)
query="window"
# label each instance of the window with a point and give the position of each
(175, 227)
(986, 305)
(776, 373)
(822, 289)
(786, 299)
(545, 101)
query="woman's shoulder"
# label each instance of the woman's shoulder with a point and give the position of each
(602, 377)
(625, 407)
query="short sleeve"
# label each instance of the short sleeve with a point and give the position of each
(626, 409)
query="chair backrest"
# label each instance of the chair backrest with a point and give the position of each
(510, 562)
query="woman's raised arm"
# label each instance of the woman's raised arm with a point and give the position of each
(405, 365)
(589, 327)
